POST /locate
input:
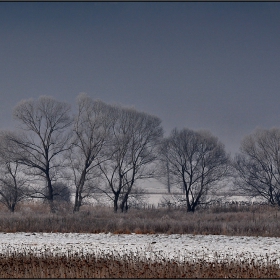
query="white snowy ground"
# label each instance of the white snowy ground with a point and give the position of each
(175, 246)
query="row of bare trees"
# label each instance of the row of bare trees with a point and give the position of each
(101, 143)
(107, 149)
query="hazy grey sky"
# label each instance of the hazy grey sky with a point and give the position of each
(199, 65)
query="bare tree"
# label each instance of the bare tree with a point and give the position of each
(13, 183)
(258, 165)
(136, 199)
(164, 173)
(42, 139)
(198, 161)
(13, 187)
(131, 152)
(91, 129)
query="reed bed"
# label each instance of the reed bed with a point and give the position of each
(28, 265)
(255, 220)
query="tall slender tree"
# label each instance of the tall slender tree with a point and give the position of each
(13, 183)
(44, 135)
(130, 153)
(91, 131)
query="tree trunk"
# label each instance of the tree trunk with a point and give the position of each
(115, 205)
(78, 200)
(168, 177)
(12, 207)
(189, 204)
(50, 195)
(124, 202)
(190, 207)
(79, 190)
(116, 199)
(126, 206)
(78, 203)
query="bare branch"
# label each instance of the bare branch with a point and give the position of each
(197, 161)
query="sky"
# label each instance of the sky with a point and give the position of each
(199, 65)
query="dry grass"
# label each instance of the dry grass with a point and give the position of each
(257, 220)
(27, 265)
(233, 220)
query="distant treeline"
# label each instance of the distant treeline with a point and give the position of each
(108, 149)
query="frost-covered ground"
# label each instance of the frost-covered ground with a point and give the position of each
(174, 246)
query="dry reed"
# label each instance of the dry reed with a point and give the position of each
(249, 220)
(28, 265)
(253, 220)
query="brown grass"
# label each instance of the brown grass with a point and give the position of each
(255, 220)
(27, 265)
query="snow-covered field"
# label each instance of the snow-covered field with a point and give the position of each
(161, 246)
